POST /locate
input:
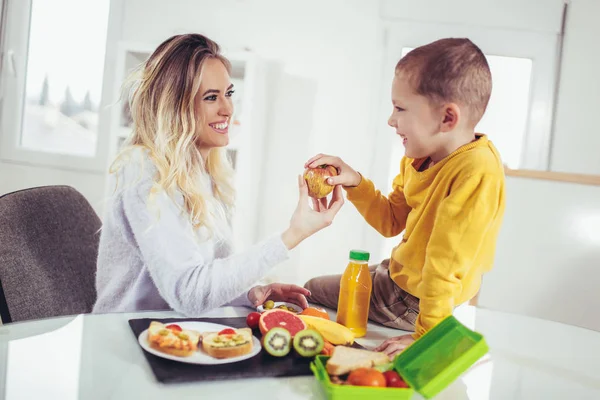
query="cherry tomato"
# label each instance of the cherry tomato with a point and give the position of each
(252, 320)
(392, 379)
(227, 331)
(366, 377)
(174, 327)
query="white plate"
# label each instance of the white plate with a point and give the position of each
(199, 357)
(278, 303)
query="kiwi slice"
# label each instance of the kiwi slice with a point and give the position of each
(308, 343)
(277, 342)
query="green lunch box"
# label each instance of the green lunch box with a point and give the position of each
(428, 365)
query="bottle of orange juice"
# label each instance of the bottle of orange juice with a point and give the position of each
(355, 294)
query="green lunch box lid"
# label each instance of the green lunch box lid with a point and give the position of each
(440, 356)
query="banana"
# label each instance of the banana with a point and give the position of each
(332, 331)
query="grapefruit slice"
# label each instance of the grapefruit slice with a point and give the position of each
(282, 319)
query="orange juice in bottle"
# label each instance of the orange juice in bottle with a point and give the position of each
(355, 294)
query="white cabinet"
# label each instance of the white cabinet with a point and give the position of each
(247, 133)
(129, 56)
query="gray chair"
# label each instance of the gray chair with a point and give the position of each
(48, 249)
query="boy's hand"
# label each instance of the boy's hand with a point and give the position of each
(347, 175)
(394, 346)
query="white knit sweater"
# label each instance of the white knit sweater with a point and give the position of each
(152, 261)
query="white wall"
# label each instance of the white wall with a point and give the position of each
(548, 257)
(529, 15)
(577, 136)
(20, 176)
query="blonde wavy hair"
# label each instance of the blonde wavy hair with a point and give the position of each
(162, 95)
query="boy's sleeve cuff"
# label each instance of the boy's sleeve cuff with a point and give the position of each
(356, 192)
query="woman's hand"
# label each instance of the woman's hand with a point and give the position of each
(307, 221)
(279, 292)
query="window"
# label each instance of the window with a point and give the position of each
(53, 84)
(507, 114)
(65, 64)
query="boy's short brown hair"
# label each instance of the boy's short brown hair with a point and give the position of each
(450, 70)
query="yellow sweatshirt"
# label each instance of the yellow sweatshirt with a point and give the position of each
(450, 214)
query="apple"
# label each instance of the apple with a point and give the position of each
(316, 179)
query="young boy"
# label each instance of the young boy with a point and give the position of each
(448, 197)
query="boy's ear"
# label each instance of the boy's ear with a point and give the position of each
(450, 117)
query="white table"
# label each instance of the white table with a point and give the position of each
(97, 357)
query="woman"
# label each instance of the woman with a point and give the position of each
(166, 242)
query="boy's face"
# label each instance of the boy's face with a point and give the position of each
(415, 120)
